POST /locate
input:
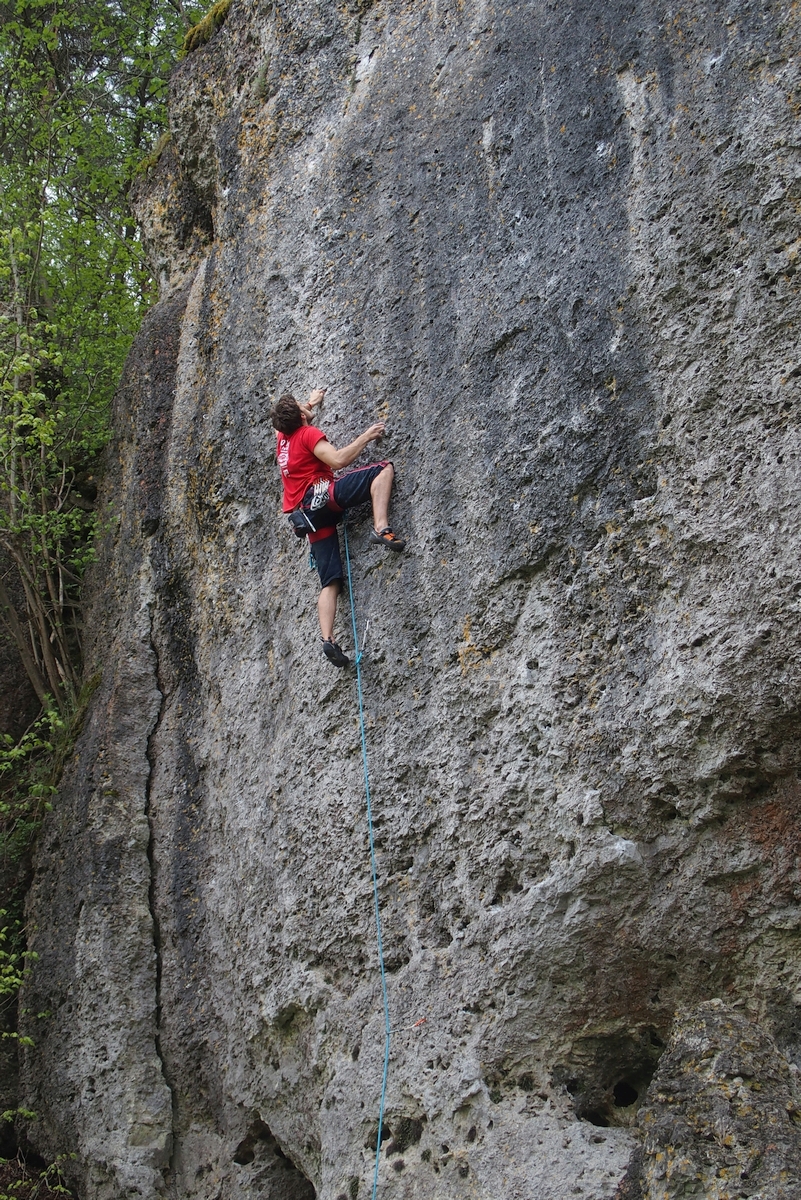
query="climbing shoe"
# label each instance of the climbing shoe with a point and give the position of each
(334, 654)
(387, 538)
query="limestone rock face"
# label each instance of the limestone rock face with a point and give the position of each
(722, 1115)
(175, 221)
(555, 248)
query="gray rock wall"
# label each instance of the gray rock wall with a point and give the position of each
(555, 248)
(722, 1114)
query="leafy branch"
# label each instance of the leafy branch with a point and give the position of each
(21, 1181)
(84, 92)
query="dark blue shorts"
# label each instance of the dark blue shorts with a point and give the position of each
(348, 491)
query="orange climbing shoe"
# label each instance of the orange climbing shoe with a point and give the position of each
(387, 538)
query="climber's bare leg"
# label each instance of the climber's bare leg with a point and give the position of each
(327, 609)
(380, 491)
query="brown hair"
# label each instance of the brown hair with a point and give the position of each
(286, 416)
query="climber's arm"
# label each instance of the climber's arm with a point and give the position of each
(337, 459)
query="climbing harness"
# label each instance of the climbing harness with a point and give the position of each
(387, 1030)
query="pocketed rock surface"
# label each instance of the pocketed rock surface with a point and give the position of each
(722, 1114)
(555, 247)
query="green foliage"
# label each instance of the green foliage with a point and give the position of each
(205, 29)
(84, 92)
(25, 781)
(30, 770)
(12, 962)
(19, 1181)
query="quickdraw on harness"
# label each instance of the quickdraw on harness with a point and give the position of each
(387, 1031)
(320, 493)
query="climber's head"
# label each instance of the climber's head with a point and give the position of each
(286, 415)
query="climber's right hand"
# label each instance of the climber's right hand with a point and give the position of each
(375, 431)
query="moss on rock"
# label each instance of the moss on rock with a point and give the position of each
(205, 29)
(151, 160)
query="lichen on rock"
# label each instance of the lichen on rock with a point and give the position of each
(722, 1116)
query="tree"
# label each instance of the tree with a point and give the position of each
(84, 86)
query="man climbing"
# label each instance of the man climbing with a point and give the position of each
(308, 461)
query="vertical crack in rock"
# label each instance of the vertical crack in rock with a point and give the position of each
(97, 1074)
(94, 1051)
(151, 858)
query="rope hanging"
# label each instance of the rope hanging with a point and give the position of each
(387, 1030)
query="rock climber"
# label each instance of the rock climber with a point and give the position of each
(316, 500)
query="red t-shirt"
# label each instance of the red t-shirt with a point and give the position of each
(300, 466)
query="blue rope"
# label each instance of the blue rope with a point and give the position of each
(372, 866)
